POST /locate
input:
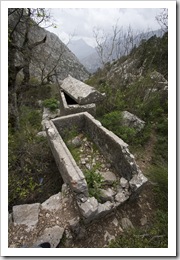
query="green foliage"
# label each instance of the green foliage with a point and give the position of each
(113, 121)
(29, 160)
(30, 119)
(153, 54)
(156, 234)
(51, 103)
(94, 182)
(32, 93)
(114, 100)
(159, 175)
(137, 238)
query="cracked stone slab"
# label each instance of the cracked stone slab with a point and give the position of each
(26, 214)
(82, 93)
(52, 235)
(53, 203)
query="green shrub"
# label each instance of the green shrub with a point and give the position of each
(113, 120)
(159, 175)
(94, 182)
(51, 103)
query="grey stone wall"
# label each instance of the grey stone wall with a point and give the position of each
(67, 166)
(113, 148)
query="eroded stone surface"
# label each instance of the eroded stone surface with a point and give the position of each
(109, 177)
(107, 195)
(133, 121)
(124, 183)
(52, 235)
(89, 208)
(121, 197)
(26, 214)
(53, 203)
(126, 223)
(82, 93)
(137, 181)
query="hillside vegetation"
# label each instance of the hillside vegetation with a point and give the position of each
(136, 83)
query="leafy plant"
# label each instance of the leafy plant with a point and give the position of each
(51, 103)
(94, 182)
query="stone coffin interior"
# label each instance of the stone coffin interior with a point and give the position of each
(69, 106)
(112, 147)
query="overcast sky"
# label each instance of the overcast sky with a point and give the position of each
(81, 21)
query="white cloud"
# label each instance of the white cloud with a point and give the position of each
(81, 21)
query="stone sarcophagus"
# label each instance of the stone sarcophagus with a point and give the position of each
(76, 97)
(121, 177)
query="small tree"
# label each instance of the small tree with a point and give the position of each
(162, 19)
(20, 21)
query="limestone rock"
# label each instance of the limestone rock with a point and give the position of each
(9, 218)
(115, 222)
(104, 209)
(126, 223)
(124, 183)
(108, 237)
(137, 181)
(121, 197)
(109, 177)
(76, 142)
(26, 214)
(143, 220)
(78, 230)
(107, 195)
(42, 134)
(50, 54)
(82, 93)
(133, 121)
(53, 203)
(47, 114)
(89, 208)
(52, 235)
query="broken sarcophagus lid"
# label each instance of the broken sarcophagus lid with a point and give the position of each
(76, 96)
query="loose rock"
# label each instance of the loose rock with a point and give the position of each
(109, 177)
(26, 214)
(53, 203)
(126, 223)
(52, 235)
